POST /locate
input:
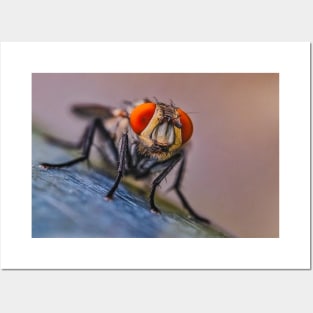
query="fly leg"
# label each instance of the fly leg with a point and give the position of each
(67, 144)
(158, 180)
(176, 187)
(121, 165)
(84, 143)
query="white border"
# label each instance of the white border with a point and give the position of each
(290, 251)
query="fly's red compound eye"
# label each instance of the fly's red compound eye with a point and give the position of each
(187, 127)
(141, 116)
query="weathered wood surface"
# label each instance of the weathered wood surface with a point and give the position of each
(69, 202)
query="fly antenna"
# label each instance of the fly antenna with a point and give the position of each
(172, 104)
(156, 99)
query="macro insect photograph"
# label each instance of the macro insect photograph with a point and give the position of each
(155, 155)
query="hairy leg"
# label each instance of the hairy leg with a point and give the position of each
(172, 162)
(121, 165)
(182, 198)
(85, 143)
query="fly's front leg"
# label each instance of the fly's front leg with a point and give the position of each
(159, 179)
(121, 165)
(85, 143)
(176, 187)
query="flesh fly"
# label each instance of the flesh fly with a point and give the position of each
(141, 140)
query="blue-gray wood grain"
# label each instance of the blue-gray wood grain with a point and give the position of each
(70, 203)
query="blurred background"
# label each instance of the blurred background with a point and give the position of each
(232, 172)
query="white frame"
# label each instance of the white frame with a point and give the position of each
(290, 251)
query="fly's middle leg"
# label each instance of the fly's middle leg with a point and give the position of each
(121, 165)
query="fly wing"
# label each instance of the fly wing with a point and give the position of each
(92, 110)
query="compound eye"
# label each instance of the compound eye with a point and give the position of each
(187, 127)
(141, 116)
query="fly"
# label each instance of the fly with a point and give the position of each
(141, 139)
